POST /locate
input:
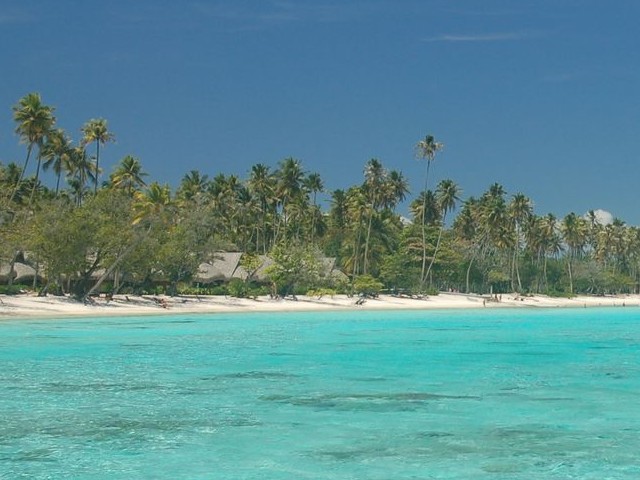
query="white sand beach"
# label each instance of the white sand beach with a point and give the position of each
(30, 306)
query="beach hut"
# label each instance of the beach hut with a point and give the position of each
(329, 270)
(22, 273)
(225, 266)
(219, 270)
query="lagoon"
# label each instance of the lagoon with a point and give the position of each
(455, 394)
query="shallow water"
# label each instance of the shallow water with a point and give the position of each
(532, 394)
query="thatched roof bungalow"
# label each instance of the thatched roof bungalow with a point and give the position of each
(221, 269)
(22, 273)
(226, 266)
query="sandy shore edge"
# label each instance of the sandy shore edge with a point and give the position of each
(31, 306)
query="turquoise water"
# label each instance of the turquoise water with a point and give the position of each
(551, 394)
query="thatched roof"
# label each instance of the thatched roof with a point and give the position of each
(21, 273)
(221, 268)
(328, 269)
(226, 266)
(261, 274)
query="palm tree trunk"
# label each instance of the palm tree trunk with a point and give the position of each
(24, 169)
(473, 257)
(313, 220)
(58, 184)
(356, 249)
(117, 262)
(35, 182)
(95, 191)
(365, 268)
(435, 252)
(424, 219)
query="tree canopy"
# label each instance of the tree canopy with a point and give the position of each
(130, 232)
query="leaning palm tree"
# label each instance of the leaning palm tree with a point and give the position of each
(34, 122)
(447, 194)
(95, 130)
(426, 149)
(151, 207)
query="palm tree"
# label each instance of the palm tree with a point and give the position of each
(520, 211)
(574, 231)
(447, 194)
(151, 207)
(395, 189)
(262, 185)
(551, 241)
(375, 177)
(426, 149)
(467, 225)
(128, 175)
(82, 170)
(34, 122)
(356, 209)
(289, 182)
(496, 235)
(313, 183)
(57, 151)
(96, 130)
(337, 220)
(193, 185)
(425, 209)
(152, 203)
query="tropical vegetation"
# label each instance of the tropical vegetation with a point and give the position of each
(87, 231)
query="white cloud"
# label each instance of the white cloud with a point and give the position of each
(601, 216)
(488, 37)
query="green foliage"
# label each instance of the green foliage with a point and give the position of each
(399, 272)
(321, 292)
(214, 290)
(294, 266)
(367, 285)
(148, 240)
(251, 262)
(238, 288)
(499, 280)
(13, 289)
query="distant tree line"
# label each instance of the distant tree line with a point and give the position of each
(91, 232)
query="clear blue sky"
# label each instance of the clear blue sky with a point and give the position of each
(541, 96)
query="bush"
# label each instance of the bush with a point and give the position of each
(238, 288)
(433, 291)
(367, 285)
(13, 289)
(258, 291)
(321, 292)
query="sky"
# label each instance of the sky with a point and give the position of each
(541, 96)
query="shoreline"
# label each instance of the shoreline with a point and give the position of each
(29, 306)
